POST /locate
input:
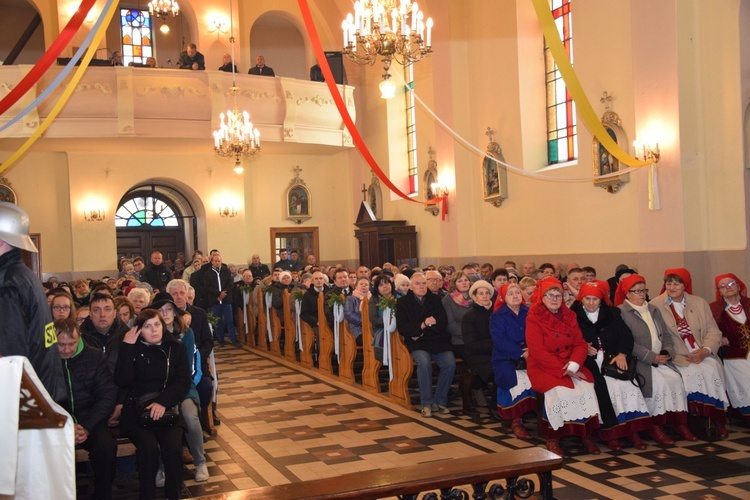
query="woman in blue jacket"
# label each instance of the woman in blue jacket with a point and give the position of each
(515, 397)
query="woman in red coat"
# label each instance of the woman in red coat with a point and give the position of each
(557, 352)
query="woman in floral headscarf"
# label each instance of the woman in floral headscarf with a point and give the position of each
(731, 311)
(697, 340)
(557, 352)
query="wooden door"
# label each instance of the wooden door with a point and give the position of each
(141, 242)
(302, 239)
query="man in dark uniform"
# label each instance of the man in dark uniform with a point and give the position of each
(26, 327)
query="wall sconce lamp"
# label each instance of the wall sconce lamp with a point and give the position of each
(649, 152)
(94, 215)
(441, 192)
(227, 212)
(218, 26)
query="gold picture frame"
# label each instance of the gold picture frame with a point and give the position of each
(494, 175)
(6, 192)
(297, 199)
(603, 161)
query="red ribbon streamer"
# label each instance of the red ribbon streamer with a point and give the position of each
(49, 57)
(312, 32)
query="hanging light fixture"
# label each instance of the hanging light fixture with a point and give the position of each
(163, 9)
(387, 29)
(236, 135)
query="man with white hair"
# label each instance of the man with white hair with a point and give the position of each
(26, 327)
(423, 323)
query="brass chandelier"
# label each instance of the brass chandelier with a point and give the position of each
(236, 135)
(387, 29)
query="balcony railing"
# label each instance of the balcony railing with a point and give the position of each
(170, 103)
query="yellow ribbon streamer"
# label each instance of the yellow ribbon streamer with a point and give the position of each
(585, 109)
(66, 93)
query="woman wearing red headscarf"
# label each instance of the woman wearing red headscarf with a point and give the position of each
(663, 390)
(515, 398)
(697, 340)
(623, 410)
(731, 311)
(557, 352)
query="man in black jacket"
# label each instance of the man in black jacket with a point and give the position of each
(309, 310)
(93, 395)
(217, 284)
(26, 327)
(157, 275)
(340, 287)
(422, 321)
(103, 329)
(259, 270)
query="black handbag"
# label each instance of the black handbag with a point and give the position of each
(521, 362)
(171, 415)
(610, 369)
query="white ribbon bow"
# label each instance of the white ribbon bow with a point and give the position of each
(389, 326)
(269, 299)
(245, 301)
(338, 317)
(298, 326)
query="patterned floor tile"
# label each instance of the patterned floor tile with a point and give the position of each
(283, 424)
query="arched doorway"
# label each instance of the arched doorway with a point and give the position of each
(155, 217)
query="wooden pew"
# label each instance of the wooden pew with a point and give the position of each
(482, 472)
(308, 339)
(347, 353)
(245, 333)
(262, 325)
(403, 367)
(290, 332)
(252, 321)
(325, 339)
(275, 332)
(370, 379)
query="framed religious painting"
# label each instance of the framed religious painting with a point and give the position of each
(297, 200)
(374, 197)
(494, 175)
(6, 192)
(430, 183)
(604, 162)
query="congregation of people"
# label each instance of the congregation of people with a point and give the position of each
(139, 344)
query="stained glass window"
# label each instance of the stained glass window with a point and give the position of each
(137, 36)
(562, 144)
(411, 130)
(146, 210)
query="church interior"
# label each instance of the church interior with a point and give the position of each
(489, 159)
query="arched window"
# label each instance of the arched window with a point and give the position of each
(144, 209)
(562, 144)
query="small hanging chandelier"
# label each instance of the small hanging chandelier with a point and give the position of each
(236, 135)
(163, 9)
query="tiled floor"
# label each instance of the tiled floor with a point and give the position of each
(283, 424)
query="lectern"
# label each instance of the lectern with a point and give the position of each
(383, 241)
